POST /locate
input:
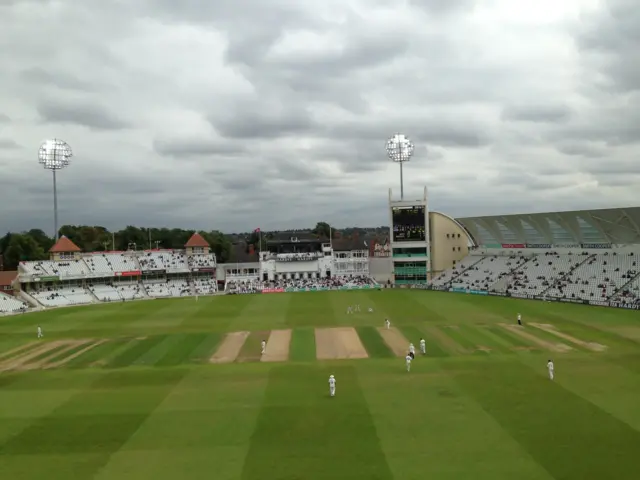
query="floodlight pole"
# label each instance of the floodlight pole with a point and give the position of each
(401, 183)
(55, 204)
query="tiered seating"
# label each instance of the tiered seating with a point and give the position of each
(630, 295)
(130, 292)
(179, 288)
(202, 261)
(598, 278)
(58, 296)
(487, 272)
(105, 293)
(254, 285)
(541, 272)
(244, 286)
(68, 268)
(448, 275)
(205, 286)
(9, 304)
(171, 288)
(157, 289)
(37, 268)
(163, 260)
(110, 262)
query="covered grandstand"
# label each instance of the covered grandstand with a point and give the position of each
(611, 226)
(584, 256)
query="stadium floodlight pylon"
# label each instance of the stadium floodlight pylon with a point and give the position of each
(399, 150)
(55, 155)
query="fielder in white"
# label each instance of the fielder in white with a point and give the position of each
(412, 349)
(349, 310)
(387, 323)
(264, 346)
(519, 319)
(357, 308)
(423, 346)
(332, 385)
(550, 367)
(40, 334)
(370, 310)
(407, 360)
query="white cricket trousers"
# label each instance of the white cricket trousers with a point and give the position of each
(332, 391)
(551, 374)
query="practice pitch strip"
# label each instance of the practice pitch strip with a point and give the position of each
(337, 343)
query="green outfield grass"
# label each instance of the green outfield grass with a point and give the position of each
(145, 400)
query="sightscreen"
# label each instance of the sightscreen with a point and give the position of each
(408, 224)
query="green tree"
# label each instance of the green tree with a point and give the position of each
(22, 247)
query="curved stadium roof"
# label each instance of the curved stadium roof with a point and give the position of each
(611, 225)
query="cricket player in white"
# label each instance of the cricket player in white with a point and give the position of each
(550, 368)
(412, 349)
(40, 334)
(407, 359)
(349, 310)
(332, 385)
(387, 323)
(357, 308)
(423, 346)
(370, 310)
(264, 346)
(519, 319)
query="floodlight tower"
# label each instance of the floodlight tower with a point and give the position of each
(55, 155)
(399, 150)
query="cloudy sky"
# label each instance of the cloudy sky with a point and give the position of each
(234, 114)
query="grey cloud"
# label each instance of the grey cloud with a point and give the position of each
(84, 114)
(268, 121)
(614, 37)
(8, 144)
(299, 130)
(443, 6)
(40, 76)
(537, 113)
(4, 118)
(182, 148)
(582, 149)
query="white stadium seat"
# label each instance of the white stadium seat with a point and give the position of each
(10, 304)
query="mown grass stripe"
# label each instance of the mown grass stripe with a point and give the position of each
(153, 355)
(19, 350)
(481, 338)
(434, 349)
(62, 355)
(95, 354)
(551, 338)
(48, 353)
(135, 351)
(492, 340)
(512, 338)
(456, 334)
(303, 345)
(202, 353)
(373, 343)
(181, 350)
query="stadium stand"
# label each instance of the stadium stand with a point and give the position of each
(205, 285)
(598, 278)
(62, 296)
(542, 271)
(110, 263)
(10, 304)
(488, 271)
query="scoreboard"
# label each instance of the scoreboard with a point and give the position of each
(408, 224)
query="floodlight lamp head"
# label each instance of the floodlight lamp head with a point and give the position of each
(54, 154)
(399, 148)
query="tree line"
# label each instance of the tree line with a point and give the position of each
(35, 244)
